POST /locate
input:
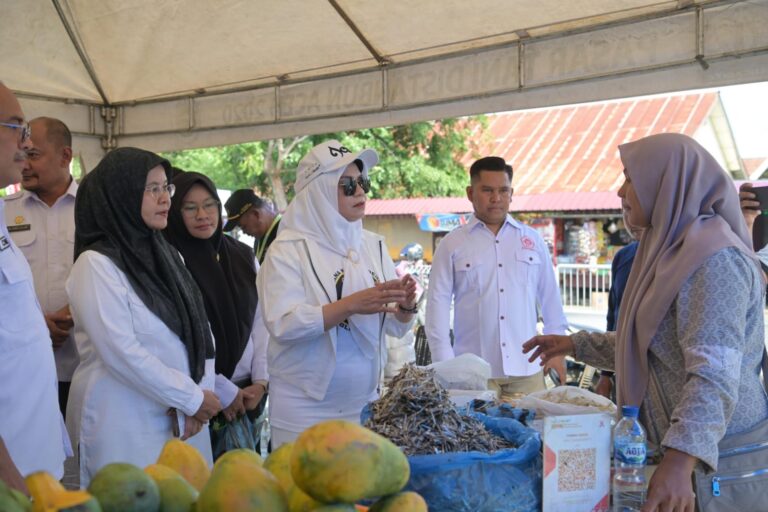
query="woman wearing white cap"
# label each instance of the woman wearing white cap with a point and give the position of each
(329, 294)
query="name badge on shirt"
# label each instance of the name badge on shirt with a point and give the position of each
(4, 243)
(20, 227)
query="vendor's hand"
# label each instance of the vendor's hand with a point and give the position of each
(191, 427)
(750, 206)
(236, 408)
(557, 364)
(59, 323)
(670, 488)
(378, 298)
(547, 347)
(209, 408)
(253, 395)
(604, 386)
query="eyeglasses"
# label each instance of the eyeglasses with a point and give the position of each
(156, 190)
(189, 210)
(26, 131)
(349, 184)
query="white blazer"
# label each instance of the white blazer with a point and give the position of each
(300, 350)
(133, 368)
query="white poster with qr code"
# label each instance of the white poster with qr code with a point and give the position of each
(577, 463)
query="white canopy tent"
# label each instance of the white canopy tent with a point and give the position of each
(175, 74)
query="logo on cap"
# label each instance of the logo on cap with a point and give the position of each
(337, 151)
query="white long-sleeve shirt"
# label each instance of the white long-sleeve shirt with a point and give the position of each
(496, 282)
(133, 369)
(46, 236)
(31, 424)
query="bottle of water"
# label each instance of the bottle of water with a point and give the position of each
(628, 462)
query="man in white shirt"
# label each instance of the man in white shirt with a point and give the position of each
(31, 424)
(498, 273)
(41, 221)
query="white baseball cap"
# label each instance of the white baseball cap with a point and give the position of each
(330, 156)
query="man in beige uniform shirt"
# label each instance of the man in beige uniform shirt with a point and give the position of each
(41, 221)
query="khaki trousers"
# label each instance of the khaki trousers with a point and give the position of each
(517, 387)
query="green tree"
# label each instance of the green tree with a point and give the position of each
(416, 160)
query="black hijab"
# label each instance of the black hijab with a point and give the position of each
(225, 272)
(108, 220)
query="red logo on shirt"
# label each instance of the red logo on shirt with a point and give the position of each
(528, 243)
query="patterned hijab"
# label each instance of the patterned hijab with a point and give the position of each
(108, 220)
(225, 271)
(693, 209)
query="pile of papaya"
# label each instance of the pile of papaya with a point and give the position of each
(332, 466)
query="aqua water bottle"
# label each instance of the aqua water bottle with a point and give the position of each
(629, 449)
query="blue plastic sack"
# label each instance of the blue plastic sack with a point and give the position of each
(504, 481)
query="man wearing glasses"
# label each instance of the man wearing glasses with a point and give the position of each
(31, 428)
(255, 216)
(41, 220)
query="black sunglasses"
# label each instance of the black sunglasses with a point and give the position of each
(350, 184)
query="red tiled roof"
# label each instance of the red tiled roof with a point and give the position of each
(547, 202)
(567, 158)
(574, 148)
(753, 164)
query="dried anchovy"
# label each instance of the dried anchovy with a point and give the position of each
(416, 414)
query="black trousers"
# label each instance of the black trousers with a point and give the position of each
(64, 397)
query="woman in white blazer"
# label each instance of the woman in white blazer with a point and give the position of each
(329, 293)
(146, 368)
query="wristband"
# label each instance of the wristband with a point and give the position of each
(412, 310)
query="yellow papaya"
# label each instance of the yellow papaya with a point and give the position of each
(279, 464)
(244, 487)
(338, 461)
(50, 496)
(176, 494)
(187, 461)
(42, 487)
(401, 502)
(336, 507)
(75, 501)
(240, 455)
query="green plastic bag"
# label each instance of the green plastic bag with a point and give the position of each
(231, 435)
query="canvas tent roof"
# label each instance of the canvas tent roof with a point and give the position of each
(176, 74)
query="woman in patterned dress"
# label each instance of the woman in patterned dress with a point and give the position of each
(689, 342)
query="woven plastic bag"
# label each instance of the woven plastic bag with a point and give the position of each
(504, 481)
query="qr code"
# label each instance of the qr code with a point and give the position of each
(576, 470)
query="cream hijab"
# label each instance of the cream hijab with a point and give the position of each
(693, 209)
(314, 216)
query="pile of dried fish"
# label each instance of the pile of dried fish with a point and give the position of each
(416, 414)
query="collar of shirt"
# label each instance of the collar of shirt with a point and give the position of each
(474, 222)
(71, 192)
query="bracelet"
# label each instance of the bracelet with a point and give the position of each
(412, 310)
